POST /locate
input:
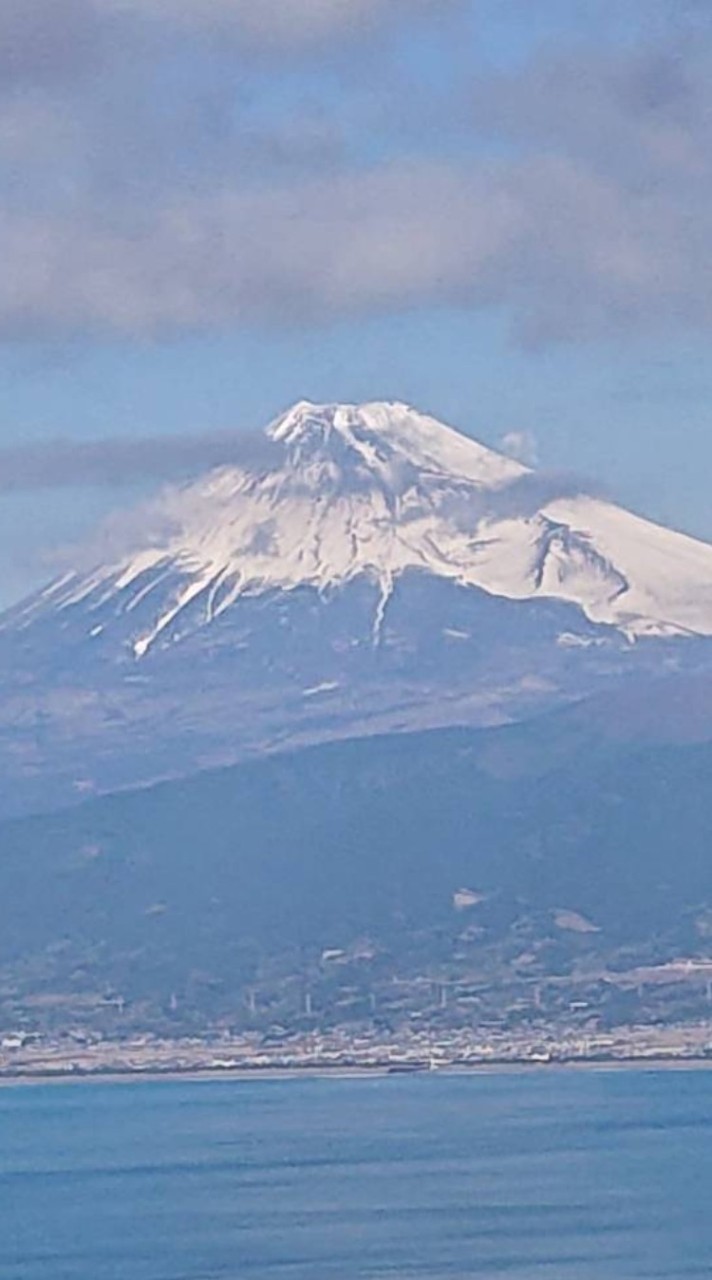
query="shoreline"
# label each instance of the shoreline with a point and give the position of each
(245, 1074)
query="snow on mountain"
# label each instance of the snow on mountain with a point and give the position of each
(373, 491)
(371, 571)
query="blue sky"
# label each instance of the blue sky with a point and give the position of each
(498, 211)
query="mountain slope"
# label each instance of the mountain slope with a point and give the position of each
(373, 570)
(319, 848)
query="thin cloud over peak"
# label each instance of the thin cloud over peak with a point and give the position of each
(115, 462)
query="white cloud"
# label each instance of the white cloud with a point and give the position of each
(521, 445)
(123, 216)
(569, 252)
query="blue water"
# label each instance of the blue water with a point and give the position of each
(558, 1176)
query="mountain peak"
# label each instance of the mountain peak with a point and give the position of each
(378, 434)
(376, 491)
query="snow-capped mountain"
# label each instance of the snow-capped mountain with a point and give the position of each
(370, 570)
(373, 491)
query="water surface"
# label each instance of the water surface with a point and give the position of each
(551, 1176)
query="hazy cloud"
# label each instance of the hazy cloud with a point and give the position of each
(520, 499)
(639, 115)
(67, 464)
(570, 250)
(520, 445)
(579, 204)
(46, 41)
(290, 24)
(536, 489)
(160, 518)
(49, 41)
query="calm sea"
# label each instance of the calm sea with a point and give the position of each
(557, 1176)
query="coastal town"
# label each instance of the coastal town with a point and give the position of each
(479, 991)
(78, 1054)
